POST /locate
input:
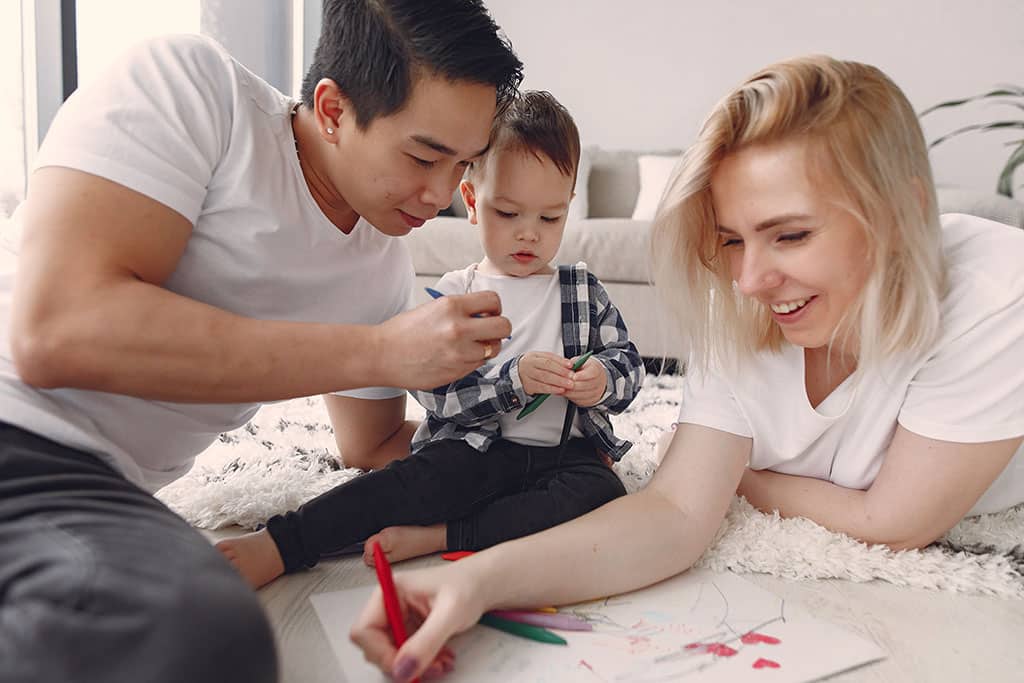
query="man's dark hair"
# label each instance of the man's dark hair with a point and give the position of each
(376, 49)
(534, 121)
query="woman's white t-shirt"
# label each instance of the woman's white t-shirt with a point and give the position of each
(968, 389)
(180, 121)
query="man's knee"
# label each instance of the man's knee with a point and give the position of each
(218, 632)
(98, 624)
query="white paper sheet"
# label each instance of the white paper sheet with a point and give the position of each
(699, 626)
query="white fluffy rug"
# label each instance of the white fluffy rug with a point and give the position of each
(284, 457)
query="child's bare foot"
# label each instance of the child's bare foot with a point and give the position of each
(402, 542)
(254, 556)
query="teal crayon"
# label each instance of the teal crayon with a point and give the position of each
(540, 398)
(541, 635)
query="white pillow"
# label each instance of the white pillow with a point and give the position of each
(655, 170)
(579, 207)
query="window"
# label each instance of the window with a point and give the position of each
(106, 28)
(48, 47)
(12, 109)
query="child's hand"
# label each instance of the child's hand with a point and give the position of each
(545, 373)
(589, 384)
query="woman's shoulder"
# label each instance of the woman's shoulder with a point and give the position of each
(984, 265)
(983, 252)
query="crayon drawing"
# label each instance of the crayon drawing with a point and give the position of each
(699, 626)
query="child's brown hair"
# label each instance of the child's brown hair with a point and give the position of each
(535, 122)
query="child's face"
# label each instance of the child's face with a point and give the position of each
(520, 204)
(788, 243)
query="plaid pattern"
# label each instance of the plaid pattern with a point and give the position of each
(468, 409)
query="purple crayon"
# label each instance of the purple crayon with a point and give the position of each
(559, 622)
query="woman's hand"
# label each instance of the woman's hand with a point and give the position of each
(437, 603)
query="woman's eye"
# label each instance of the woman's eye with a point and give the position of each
(794, 236)
(731, 242)
(504, 214)
(550, 219)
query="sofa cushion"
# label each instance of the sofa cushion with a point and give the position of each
(442, 244)
(615, 181)
(615, 249)
(995, 207)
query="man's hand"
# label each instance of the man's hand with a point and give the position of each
(545, 373)
(441, 341)
(589, 384)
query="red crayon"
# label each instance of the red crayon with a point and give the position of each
(387, 588)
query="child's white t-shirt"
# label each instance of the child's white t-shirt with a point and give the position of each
(180, 121)
(969, 388)
(533, 305)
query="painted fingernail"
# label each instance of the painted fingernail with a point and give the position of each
(403, 669)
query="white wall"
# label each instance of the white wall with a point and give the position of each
(643, 74)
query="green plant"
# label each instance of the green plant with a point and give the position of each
(1009, 95)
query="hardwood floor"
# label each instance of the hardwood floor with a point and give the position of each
(928, 636)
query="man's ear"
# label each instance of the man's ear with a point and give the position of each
(330, 109)
(468, 193)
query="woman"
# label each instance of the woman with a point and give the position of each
(854, 361)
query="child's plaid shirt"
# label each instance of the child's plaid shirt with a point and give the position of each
(468, 409)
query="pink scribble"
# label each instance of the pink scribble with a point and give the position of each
(755, 638)
(692, 646)
(763, 663)
(583, 662)
(721, 650)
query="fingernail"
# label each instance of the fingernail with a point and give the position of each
(403, 668)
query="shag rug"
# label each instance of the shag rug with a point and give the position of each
(284, 457)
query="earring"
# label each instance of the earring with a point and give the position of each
(330, 131)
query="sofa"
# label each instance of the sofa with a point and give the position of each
(608, 228)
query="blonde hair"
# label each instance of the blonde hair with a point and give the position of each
(864, 135)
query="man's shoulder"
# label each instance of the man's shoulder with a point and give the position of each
(189, 47)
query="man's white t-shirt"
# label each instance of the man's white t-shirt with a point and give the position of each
(533, 305)
(968, 389)
(180, 121)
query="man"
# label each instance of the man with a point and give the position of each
(195, 243)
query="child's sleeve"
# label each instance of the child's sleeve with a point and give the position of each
(479, 397)
(609, 340)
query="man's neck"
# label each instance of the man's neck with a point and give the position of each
(311, 149)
